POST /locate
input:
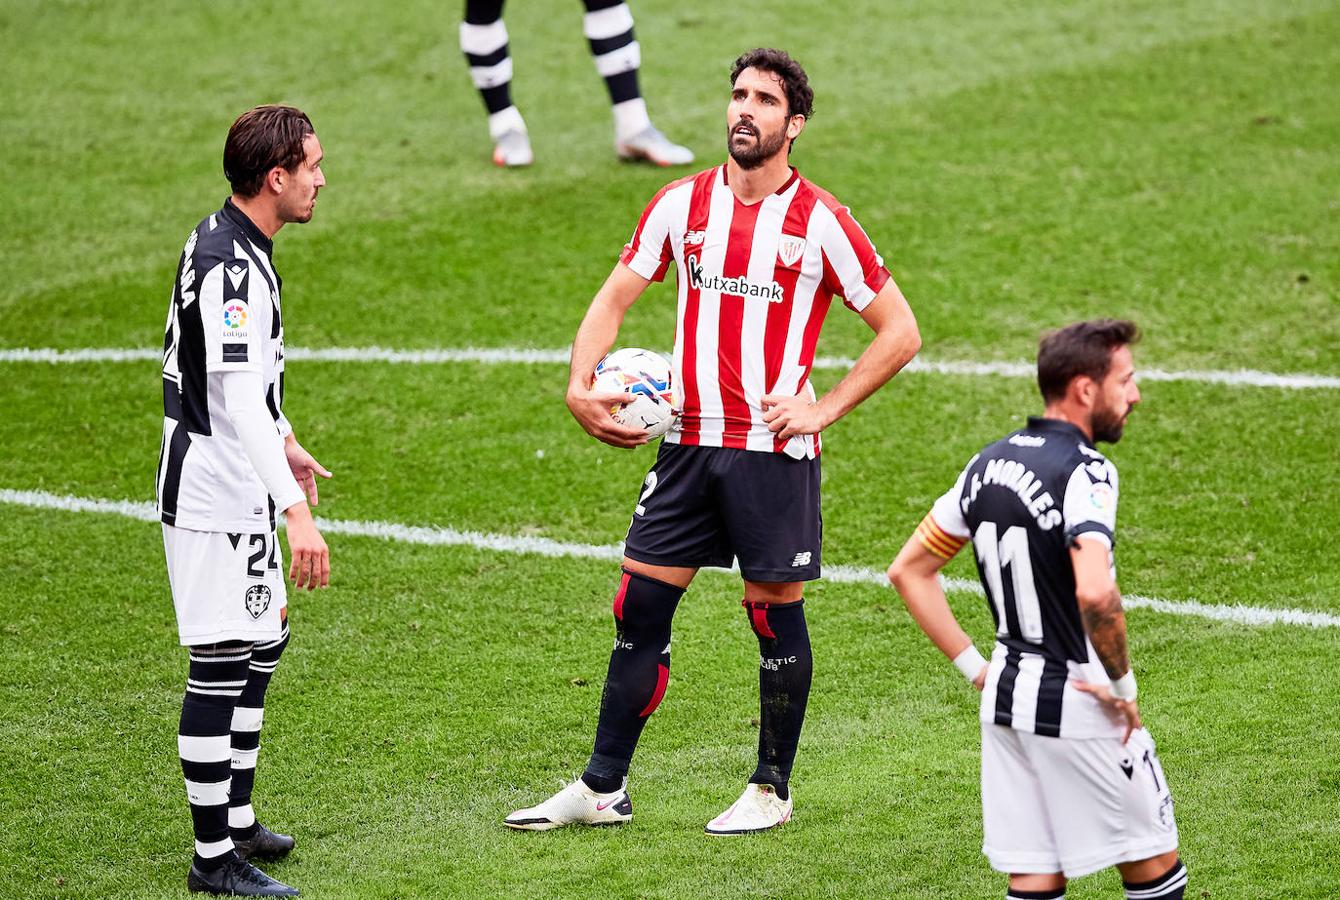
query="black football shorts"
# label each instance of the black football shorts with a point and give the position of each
(708, 506)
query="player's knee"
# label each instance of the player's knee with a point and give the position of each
(644, 603)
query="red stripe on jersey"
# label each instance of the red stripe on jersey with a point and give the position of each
(630, 249)
(874, 274)
(700, 206)
(730, 375)
(797, 224)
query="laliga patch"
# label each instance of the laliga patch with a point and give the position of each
(257, 600)
(790, 249)
(1102, 497)
(235, 315)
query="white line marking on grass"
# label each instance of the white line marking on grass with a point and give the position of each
(522, 355)
(505, 543)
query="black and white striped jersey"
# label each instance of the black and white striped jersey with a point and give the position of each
(224, 316)
(1021, 502)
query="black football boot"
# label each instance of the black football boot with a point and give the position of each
(264, 844)
(239, 878)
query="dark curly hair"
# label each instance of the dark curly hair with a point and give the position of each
(799, 95)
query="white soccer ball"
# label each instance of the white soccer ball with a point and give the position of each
(645, 375)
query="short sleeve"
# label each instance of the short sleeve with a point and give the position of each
(944, 530)
(232, 329)
(1090, 506)
(852, 267)
(648, 251)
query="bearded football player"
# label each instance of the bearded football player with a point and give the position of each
(760, 253)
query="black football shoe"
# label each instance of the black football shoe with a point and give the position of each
(238, 878)
(264, 844)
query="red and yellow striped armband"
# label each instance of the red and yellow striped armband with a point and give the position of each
(937, 540)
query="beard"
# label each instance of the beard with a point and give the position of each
(764, 148)
(1108, 424)
(301, 213)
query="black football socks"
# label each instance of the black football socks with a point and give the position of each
(786, 666)
(215, 680)
(246, 735)
(638, 673)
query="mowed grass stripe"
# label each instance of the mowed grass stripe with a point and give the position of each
(528, 355)
(1239, 614)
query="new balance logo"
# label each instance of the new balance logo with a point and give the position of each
(693, 238)
(801, 559)
(739, 287)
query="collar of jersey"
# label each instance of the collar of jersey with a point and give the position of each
(252, 231)
(795, 174)
(1041, 423)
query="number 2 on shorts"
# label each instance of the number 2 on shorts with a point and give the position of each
(650, 482)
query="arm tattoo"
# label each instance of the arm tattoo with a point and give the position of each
(1106, 627)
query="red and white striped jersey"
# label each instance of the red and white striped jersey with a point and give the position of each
(755, 282)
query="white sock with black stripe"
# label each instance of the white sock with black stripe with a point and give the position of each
(1168, 886)
(608, 26)
(215, 680)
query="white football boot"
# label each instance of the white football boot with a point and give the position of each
(512, 149)
(758, 809)
(576, 804)
(650, 145)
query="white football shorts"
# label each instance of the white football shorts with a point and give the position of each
(225, 587)
(1072, 805)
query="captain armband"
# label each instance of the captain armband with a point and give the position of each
(937, 540)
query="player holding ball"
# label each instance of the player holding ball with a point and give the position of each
(760, 253)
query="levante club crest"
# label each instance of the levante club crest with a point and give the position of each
(258, 600)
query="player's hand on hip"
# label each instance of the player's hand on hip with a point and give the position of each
(1126, 709)
(305, 468)
(787, 416)
(309, 566)
(592, 410)
(980, 681)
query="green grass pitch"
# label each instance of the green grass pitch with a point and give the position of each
(1018, 165)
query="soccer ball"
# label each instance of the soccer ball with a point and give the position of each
(647, 377)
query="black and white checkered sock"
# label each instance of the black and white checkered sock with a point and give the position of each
(246, 734)
(1168, 886)
(214, 683)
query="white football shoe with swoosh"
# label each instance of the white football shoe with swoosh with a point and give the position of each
(576, 804)
(758, 809)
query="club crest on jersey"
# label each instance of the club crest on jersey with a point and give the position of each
(257, 600)
(737, 286)
(790, 249)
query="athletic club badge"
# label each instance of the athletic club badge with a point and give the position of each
(258, 600)
(789, 249)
